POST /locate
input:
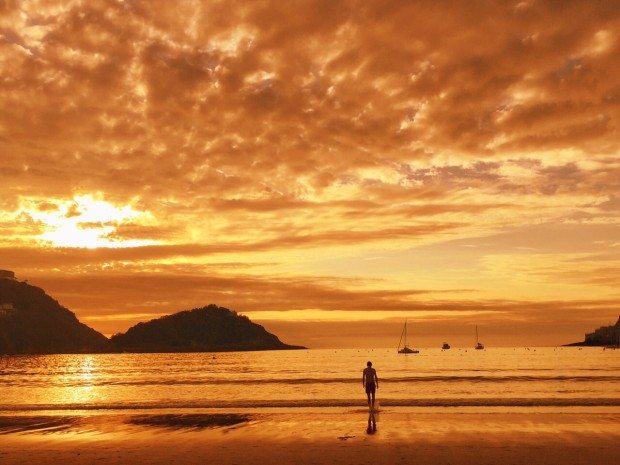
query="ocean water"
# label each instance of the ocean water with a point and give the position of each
(311, 378)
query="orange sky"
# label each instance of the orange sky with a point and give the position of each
(327, 168)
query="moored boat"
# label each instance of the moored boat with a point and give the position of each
(405, 349)
(479, 345)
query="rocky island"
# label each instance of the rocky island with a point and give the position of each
(32, 322)
(206, 329)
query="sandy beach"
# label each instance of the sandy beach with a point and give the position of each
(315, 436)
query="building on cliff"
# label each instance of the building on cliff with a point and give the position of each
(6, 274)
(605, 335)
(6, 309)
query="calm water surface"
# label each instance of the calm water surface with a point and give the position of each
(500, 377)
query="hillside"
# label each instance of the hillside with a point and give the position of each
(31, 322)
(207, 329)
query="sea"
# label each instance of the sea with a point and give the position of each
(459, 377)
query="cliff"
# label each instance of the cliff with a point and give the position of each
(603, 336)
(33, 322)
(207, 329)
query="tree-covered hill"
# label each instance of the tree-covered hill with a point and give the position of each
(207, 329)
(31, 322)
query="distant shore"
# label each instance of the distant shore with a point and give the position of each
(316, 436)
(279, 349)
(154, 351)
(587, 344)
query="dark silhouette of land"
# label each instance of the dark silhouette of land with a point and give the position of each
(603, 336)
(207, 329)
(32, 322)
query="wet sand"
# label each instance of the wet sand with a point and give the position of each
(314, 436)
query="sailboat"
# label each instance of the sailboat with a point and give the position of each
(405, 349)
(479, 345)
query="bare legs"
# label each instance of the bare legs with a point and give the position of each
(371, 403)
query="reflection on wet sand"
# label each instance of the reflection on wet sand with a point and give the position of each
(372, 421)
(37, 424)
(190, 420)
(46, 424)
(315, 436)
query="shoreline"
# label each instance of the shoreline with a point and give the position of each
(434, 403)
(360, 407)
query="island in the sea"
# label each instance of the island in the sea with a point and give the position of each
(206, 329)
(32, 322)
(603, 336)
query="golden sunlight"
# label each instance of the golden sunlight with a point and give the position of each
(85, 221)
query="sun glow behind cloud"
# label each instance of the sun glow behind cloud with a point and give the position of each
(85, 221)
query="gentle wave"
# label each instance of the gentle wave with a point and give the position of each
(295, 381)
(259, 404)
(29, 373)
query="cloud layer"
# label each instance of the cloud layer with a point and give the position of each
(406, 146)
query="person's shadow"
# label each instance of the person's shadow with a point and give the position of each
(372, 421)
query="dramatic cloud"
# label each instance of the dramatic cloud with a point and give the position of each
(403, 145)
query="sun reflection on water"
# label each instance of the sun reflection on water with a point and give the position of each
(81, 381)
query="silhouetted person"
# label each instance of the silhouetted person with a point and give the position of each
(370, 383)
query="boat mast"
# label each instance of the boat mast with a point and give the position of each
(477, 335)
(403, 333)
